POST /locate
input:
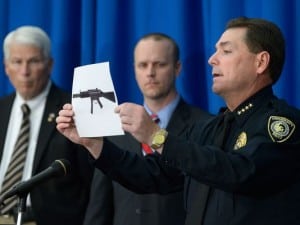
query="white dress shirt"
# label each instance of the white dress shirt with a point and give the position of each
(37, 106)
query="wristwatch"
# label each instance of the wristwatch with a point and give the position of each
(159, 138)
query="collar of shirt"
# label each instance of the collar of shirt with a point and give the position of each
(252, 104)
(166, 112)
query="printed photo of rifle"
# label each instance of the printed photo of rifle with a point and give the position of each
(95, 95)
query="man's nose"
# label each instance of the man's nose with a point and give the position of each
(151, 70)
(212, 59)
(24, 67)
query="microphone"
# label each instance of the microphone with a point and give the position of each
(58, 168)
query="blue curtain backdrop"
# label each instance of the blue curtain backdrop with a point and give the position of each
(91, 31)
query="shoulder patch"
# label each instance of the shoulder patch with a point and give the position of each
(280, 128)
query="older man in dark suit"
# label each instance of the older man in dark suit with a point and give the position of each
(63, 200)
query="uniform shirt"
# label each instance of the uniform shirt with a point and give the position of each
(255, 178)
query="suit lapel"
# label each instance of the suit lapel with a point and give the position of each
(48, 124)
(6, 107)
(178, 120)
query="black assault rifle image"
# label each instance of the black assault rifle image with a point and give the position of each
(95, 95)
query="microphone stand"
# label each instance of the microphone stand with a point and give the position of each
(21, 208)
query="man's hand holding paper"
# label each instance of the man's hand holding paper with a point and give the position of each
(94, 101)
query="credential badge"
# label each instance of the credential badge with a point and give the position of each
(280, 128)
(241, 141)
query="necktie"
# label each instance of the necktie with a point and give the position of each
(147, 149)
(15, 168)
(223, 129)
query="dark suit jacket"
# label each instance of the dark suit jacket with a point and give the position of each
(63, 200)
(111, 203)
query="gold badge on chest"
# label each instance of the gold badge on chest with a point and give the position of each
(241, 141)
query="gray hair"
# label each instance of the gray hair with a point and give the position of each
(28, 35)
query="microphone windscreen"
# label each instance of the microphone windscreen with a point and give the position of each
(61, 166)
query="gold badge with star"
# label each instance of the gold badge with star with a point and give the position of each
(280, 128)
(241, 141)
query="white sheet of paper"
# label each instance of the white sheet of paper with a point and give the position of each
(94, 100)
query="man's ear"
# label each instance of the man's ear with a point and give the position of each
(262, 62)
(178, 67)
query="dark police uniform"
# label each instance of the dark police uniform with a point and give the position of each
(254, 178)
(112, 204)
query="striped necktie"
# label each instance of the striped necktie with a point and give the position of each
(146, 148)
(15, 168)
